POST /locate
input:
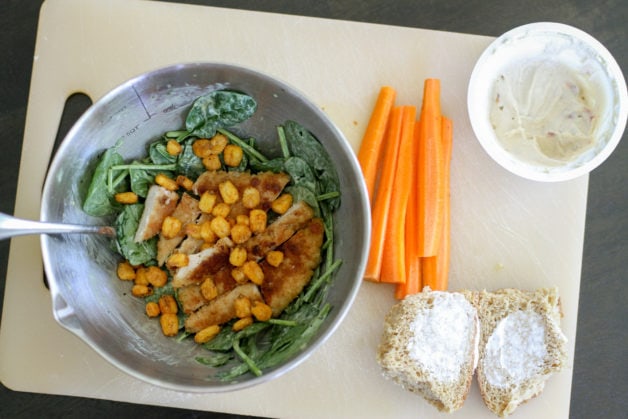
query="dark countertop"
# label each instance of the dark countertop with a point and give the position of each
(600, 376)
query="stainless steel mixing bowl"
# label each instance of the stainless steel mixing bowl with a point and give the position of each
(87, 297)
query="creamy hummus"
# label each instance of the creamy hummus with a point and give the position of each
(543, 111)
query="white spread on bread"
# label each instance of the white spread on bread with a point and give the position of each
(441, 336)
(516, 350)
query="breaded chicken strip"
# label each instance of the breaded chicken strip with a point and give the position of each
(187, 212)
(221, 309)
(203, 264)
(302, 254)
(159, 203)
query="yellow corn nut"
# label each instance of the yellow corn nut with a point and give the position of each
(206, 334)
(126, 198)
(253, 272)
(164, 181)
(237, 256)
(221, 209)
(152, 309)
(169, 324)
(240, 233)
(207, 201)
(261, 311)
(242, 219)
(167, 304)
(126, 271)
(238, 275)
(173, 147)
(228, 192)
(141, 290)
(185, 182)
(274, 258)
(156, 276)
(282, 204)
(242, 323)
(232, 155)
(242, 306)
(212, 162)
(257, 220)
(220, 226)
(208, 289)
(218, 143)
(250, 197)
(207, 233)
(178, 260)
(193, 231)
(141, 276)
(201, 148)
(171, 227)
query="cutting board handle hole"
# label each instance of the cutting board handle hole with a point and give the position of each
(75, 105)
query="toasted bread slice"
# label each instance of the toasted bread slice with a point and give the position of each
(429, 346)
(521, 345)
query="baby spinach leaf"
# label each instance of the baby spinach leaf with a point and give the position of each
(301, 174)
(188, 163)
(218, 109)
(99, 200)
(158, 154)
(304, 144)
(126, 226)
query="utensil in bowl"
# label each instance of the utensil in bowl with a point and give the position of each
(11, 226)
(87, 297)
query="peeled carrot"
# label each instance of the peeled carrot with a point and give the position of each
(435, 269)
(394, 261)
(413, 261)
(381, 202)
(430, 171)
(370, 149)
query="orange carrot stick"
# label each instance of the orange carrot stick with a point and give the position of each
(435, 269)
(430, 171)
(381, 203)
(370, 149)
(413, 261)
(393, 262)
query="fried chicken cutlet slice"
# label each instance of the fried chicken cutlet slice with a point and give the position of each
(302, 254)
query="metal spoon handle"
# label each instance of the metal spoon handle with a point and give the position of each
(11, 226)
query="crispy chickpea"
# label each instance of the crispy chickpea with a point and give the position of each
(261, 311)
(156, 276)
(185, 182)
(282, 204)
(221, 209)
(207, 202)
(171, 227)
(201, 148)
(206, 334)
(207, 233)
(208, 289)
(178, 260)
(126, 198)
(126, 271)
(238, 275)
(229, 192)
(237, 256)
(152, 309)
(257, 220)
(169, 324)
(253, 272)
(220, 226)
(167, 304)
(242, 306)
(164, 181)
(240, 233)
(242, 219)
(212, 162)
(141, 290)
(250, 197)
(173, 147)
(232, 155)
(242, 323)
(274, 258)
(218, 143)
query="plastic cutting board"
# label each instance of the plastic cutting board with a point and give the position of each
(507, 232)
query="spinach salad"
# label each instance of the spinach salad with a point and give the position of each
(312, 179)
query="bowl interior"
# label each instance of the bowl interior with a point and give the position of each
(567, 47)
(90, 301)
